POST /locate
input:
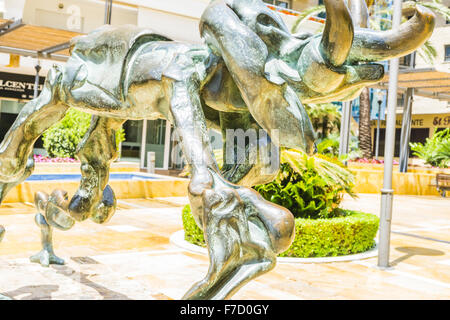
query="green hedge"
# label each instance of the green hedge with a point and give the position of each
(350, 234)
(354, 232)
(62, 139)
(192, 233)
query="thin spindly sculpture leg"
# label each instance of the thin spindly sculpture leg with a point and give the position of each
(250, 74)
(46, 256)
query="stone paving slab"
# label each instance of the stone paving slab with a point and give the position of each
(131, 257)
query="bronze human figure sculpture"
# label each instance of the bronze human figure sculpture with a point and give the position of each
(252, 73)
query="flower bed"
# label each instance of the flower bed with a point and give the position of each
(41, 159)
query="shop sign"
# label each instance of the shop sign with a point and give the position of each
(18, 86)
(422, 121)
(441, 121)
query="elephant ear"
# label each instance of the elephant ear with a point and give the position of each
(283, 48)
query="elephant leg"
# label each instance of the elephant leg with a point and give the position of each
(242, 239)
(94, 198)
(16, 162)
(222, 209)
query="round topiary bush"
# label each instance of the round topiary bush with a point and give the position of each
(352, 232)
(61, 139)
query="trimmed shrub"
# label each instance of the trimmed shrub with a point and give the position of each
(351, 233)
(192, 233)
(61, 140)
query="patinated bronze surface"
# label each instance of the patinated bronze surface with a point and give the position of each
(251, 73)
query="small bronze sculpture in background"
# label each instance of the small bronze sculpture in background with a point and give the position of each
(252, 73)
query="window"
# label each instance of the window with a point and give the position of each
(283, 4)
(447, 53)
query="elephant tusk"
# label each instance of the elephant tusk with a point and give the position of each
(338, 34)
(369, 45)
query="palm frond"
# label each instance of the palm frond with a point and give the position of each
(305, 14)
(437, 7)
(331, 170)
(427, 52)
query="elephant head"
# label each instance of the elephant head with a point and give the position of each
(337, 64)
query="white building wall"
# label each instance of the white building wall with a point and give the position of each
(439, 38)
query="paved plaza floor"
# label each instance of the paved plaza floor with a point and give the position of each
(131, 257)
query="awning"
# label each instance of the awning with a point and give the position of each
(427, 82)
(34, 41)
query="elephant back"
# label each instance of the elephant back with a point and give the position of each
(109, 48)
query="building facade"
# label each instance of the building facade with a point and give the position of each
(431, 98)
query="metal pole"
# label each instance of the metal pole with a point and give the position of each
(406, 122)
(36, 80)
(167, 140)
(345, 129)
(406, 131)
(387, 193)
(108, 10)
(377, 143)
(143, 143)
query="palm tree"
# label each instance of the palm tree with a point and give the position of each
(364, 128)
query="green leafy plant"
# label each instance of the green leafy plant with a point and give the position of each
(62, 139)
(436, 150)
(310, 187)
(330, 147)
(325, 118)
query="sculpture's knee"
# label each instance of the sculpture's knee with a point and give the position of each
(279, 223)
(89, 193)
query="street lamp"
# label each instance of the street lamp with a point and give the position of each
(379, 96)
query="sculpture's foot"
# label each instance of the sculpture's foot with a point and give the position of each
(244, 233)
(45, 258)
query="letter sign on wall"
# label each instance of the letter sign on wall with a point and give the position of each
(18, 86)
